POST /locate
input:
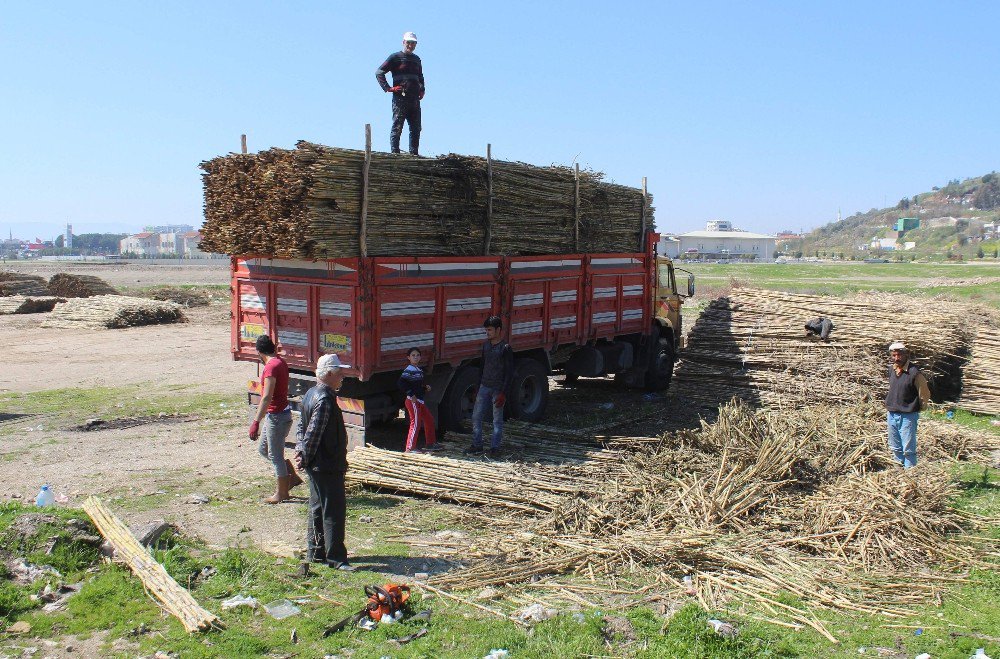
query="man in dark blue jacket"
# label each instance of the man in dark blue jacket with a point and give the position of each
(407, 91)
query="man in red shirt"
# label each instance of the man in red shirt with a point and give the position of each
(274, 418)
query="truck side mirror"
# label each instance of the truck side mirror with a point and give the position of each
(690, 285)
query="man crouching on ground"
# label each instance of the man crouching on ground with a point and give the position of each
(321, 451)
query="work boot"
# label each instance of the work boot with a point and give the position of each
(293, 476)
(282, 493)
(473, 450)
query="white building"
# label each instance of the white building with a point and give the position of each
(716, 244)
(146, 243)
(669, 247)
(719, 225)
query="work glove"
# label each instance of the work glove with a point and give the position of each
(397, 88)
(500, 400)
(254, 430)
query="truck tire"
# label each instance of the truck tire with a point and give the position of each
(459, 399)
(661, 365)
(529, 391)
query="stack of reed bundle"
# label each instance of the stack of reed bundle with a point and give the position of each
(753, 344)
(980, 386)
(66, 285)
(174, 599)
(13, 283)
(112, 312)
(27, 304)
(307, 203)
(182, 296)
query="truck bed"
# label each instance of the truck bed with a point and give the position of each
(370, 311)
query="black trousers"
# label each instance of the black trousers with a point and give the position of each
(405, 108)
(327, 517)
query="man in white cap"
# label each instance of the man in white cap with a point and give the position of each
(407, 91)
(908, 394)
(321, 451)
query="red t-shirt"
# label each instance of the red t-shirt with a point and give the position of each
(276, 368)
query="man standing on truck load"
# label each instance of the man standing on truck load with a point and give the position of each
(321, 450)
(908, 394)
(407, 91)
(412, 384)
(276, 415)
(494, 382)
(820, 327)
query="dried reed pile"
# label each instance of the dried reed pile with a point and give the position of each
(66, 285)
(884, 519)
(27, 304)
(182, 296)
(752, 344)
(307, 202)
(13, 283)
(760, 503)
(980, 386)
(112, 312)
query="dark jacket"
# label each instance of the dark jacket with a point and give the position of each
(407, 72)
(821, 327)
(498, 366)
(322, 437)
(411, 382)
(907, 391)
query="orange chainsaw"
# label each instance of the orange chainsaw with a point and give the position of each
(382, 601)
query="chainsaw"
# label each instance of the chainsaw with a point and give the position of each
(383, 601)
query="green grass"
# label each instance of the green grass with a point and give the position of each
(116, 402)
(841, 278)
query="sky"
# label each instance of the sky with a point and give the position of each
(772, 115)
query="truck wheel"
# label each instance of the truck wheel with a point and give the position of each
(459, 399)
(529, 391)
(661, 366)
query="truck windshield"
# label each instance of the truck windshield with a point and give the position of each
(665, 278)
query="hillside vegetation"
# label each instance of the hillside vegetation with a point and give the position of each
(972, 202)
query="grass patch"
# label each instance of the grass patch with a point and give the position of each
(116, 402)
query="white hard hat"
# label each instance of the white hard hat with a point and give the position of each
(410, 36)
(898, 345)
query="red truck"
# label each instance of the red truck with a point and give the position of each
(584, 315)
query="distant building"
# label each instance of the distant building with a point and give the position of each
(669, 247)
(887, 244)
(727, 244)
(907, 223)
(168, 228)
(719, 225)
(143, 244)
(190, 242)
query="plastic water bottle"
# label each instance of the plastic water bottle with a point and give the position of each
(45, 497)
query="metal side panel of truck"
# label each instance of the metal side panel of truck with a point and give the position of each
(583, 314)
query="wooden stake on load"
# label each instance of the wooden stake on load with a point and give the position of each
(243, 143)
(176, 600)
(642, 230)
(576, 207)
(489, 199)
(363, 233)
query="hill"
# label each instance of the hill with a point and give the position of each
(951, 219)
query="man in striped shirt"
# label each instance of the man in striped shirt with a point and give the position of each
(407, 91)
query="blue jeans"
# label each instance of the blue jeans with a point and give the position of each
(903, 437)
(273, 432)
(484, 399)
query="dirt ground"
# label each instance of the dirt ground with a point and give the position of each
(152, 469)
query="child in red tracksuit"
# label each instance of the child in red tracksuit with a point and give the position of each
(411, 383)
